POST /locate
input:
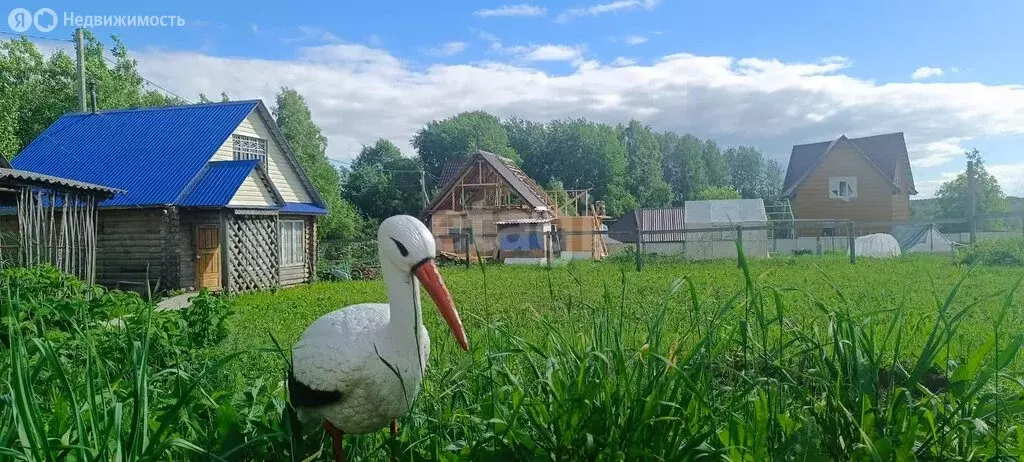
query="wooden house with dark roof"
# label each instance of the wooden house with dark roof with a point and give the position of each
(210, 195)
(485, 192)
(866, 179)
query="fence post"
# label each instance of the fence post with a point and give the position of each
(548, 242)
(853, 243)
(818, 245)
(739, 239)
(972, 226)
(639, 247)
(468, 237)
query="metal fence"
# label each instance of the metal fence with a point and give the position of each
(763, 240)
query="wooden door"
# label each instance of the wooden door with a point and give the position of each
(208, 257)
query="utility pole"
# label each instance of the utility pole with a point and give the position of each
(972, 201)
(80, 54)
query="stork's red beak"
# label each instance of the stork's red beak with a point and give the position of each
(428, 275)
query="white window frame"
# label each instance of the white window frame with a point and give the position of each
(292, 242)
(842, 187)
(248, 147)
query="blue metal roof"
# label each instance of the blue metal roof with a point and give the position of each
(218, 183)
(302, 208)
(152, 154)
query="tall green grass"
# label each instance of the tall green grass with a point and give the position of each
(749, 375)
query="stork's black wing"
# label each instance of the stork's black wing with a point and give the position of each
(301, 395)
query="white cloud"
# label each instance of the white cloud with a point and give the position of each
(925, 72)
(604, 8)
(315, 34)
(547, 52)
(1009, 176)
(766, 103)
(954, 69)
(375, 40)
(255, 28)
(636, 39)
(449, 49)
(522, 9)
(935, 153)
(623, 61)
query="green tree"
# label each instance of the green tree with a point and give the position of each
(951, 199)
(753, 175)
(684, 167)
(461, 135)
(711, 193)
(716, 167)
(383, 182)
(310, 147)
(645, 179)
(590, 155)
(35, 91)
(528, 139)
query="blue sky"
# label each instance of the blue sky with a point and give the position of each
(770, 74)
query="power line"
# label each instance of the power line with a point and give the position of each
(39, 37)
(152, 83)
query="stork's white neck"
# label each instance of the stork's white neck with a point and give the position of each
(404, 301)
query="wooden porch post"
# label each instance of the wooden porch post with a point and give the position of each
(225, 251)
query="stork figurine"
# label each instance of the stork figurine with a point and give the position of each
(359, 368)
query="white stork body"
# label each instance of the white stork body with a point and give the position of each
(360, 367)
(340, 352)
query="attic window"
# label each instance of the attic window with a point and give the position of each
(247, 147)
(842, 187)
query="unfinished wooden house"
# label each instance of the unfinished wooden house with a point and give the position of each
(511, 217)
(480, 191)
(212, 195)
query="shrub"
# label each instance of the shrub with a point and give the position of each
(340, 262)
(205, 320)
(996, 252)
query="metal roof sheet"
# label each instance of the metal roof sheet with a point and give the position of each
(34, 177)
(525, 187)
(302, 208)
(152, 154)
(218, 183)
(523, 221)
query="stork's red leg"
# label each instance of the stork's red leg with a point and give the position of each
(336, 438)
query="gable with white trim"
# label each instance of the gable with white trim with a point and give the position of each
(279, 170)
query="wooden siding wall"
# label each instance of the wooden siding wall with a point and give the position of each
(874, 200)
(281, 173)
(253, 192)
(298, 274)
(187, 242)
(129, 239)
(901, 201)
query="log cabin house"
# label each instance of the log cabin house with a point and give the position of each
(211, 195)
(868, 180)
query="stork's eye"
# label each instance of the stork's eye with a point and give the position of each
(401, 248)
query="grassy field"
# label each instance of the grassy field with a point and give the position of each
(807, 358)
(790, 359)
(515, 295)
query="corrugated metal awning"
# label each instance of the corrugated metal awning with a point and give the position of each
(523, 221)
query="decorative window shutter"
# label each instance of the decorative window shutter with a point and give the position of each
(852, 186)
(833, 188)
